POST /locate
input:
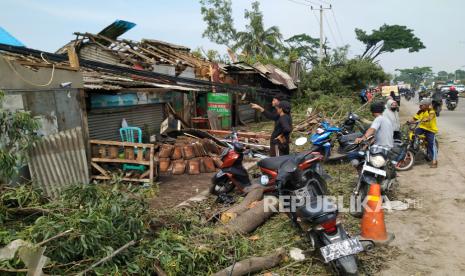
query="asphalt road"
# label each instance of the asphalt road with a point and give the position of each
(429, 235)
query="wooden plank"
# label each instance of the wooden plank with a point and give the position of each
(151, 167)
(101, 177)
(145, 174)
(240, 134)
(28, 63)
(122, 144)
(108, 160)
(98, 168)
(73, 57)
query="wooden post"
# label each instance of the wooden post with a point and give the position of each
(151, 167)
(73, 57)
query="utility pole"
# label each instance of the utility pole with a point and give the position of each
(321, 9)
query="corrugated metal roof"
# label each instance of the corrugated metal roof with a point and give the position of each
(275, 75)
(58, 161)
(116, 29)
(7, 38)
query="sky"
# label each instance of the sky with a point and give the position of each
(49, 24)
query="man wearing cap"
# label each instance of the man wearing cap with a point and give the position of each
(428, 127)
(381, 128)
(279, 143)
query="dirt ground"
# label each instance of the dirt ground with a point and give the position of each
(430, 235)
(176, 189)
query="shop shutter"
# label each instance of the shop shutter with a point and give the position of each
(104, 124)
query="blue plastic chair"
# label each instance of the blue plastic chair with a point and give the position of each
(129, 134)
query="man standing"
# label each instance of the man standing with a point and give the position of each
(381, 128)
(426, 116)
(279, 125)
(392, 113)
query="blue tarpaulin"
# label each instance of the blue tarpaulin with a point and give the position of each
(6, 38)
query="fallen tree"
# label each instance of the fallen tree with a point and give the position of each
(253, 196)
(253, 264)
(248, 221)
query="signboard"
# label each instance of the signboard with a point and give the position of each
(386, 90)
(127, 99)
(221, 103)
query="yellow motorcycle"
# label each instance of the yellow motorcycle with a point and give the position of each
(417, 144)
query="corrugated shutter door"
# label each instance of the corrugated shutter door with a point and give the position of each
(105, 124)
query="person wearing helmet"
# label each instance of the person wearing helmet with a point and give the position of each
(453, 94)
(428, 126)
(381, 128)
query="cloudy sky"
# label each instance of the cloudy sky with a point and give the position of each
(48, 24)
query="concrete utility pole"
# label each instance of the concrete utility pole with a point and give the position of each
(321, 9)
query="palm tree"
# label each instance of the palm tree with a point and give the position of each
(256, 41)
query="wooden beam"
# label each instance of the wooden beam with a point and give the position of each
(240, 134)
(73, 57)
(100, 177)
(122, 144)
(98, 168)
(129, 161)
(29, 63)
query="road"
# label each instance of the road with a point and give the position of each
(430, 236)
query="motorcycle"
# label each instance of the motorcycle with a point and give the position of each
(416, 144)
(375, 165)
(323, 140)
(315, 215)
(232, 173)
(437, 106)
(451, 104)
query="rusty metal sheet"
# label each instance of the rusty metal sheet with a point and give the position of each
(59, 161)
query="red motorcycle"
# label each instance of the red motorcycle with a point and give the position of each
(232, 173)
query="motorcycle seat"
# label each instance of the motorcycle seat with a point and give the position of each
(273, 163)
(318, 210)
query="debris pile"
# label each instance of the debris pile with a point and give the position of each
(312, 120)
(189, 156)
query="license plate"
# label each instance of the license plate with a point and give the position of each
(302, 193)
(341, 249)
(374, 170)
(220, 174)
(453, 102)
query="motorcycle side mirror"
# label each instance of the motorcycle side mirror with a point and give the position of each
(301, 141)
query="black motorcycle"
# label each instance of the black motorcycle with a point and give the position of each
(316, 216)
(451, 103)
(376, 164)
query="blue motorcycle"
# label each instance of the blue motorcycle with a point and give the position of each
(323, 139)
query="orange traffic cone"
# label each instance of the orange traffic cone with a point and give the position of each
(373, 227)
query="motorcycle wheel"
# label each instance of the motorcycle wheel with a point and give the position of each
(407, 163)
(360, 198)
(345, 266)
(223, 187)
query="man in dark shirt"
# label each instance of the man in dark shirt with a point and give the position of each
(275, 116)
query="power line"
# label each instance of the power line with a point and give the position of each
(331, 32)
(298, 2)
(337, 26)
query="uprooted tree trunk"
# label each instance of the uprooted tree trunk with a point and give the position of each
(253, 196)
(253, 264)
(251, 219)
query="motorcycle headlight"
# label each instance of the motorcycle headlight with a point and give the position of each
(264, 180)
(377, 161)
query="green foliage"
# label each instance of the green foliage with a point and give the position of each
(415, 76)
(210, 55)
(256, 40)
(303, 47)
(16, 137)
(343, 77)
(387, 39)
(220, 24)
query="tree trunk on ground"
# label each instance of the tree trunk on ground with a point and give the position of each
(253, 264)
(254, 195)
(251, 219)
